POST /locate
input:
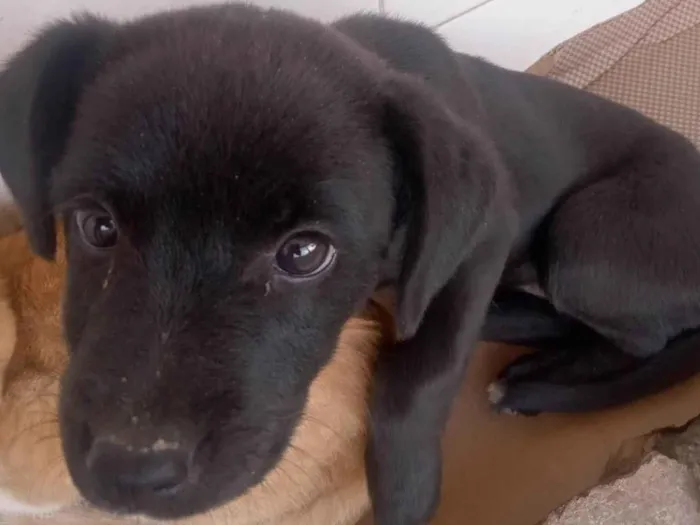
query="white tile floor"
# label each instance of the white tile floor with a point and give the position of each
(513, 33)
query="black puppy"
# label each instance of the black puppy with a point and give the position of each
(234, 183)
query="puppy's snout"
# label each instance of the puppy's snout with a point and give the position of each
(155, 466)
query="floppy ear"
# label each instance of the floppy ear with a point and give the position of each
(39, 92)
(450, 179)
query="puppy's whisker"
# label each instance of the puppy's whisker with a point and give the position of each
(211, 515)
(291, 462)
(33, 427)
(313, 483)
(48, 439)
(303, 452)
(314, 421)
(54, 465)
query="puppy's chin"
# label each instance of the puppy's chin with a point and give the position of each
(320, 477)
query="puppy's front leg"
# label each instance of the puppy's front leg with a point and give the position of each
(416, 381)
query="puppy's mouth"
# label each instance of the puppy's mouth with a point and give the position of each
(160, 482)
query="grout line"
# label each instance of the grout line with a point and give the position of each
(460, 14)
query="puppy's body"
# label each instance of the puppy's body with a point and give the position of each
(555, 141)
(235, 183)
(585, 202)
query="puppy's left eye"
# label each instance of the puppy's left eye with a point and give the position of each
(97, 228)
(305, 255)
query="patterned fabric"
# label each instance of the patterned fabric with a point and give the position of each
(647, 58)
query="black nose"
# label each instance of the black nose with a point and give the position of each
(158, 467)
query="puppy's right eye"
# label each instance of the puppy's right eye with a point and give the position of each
(97, 228)
(305, 255)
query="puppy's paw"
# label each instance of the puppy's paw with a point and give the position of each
(499, 397)
(555, 380)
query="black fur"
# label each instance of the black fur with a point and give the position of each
(211, 133)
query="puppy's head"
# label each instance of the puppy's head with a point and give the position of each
(227, 180)
(319, 478)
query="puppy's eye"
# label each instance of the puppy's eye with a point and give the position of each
(97, 228)
(305, 254)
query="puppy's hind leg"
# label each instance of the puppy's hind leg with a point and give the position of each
(521, 318)
(624, 258)
(558, 389)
